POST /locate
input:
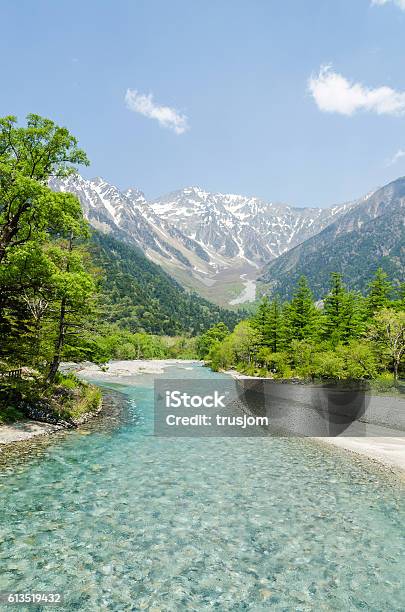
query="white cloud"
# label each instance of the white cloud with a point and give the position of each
(165, 115)
(333, 93)
(400, 3)
(398, 155)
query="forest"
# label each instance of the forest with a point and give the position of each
(140, 296)
(343, 336)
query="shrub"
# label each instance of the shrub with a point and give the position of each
(9, 414)
(385, 382)
(359, 360)
(329, 364)
(221, 356)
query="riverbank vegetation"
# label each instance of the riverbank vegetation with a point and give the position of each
(118, 343)
(67, 401)
(70, 293)
(344, 336)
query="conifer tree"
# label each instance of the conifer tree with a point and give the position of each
(301, 313)
(400, 303)
(343, 314)
(276, 326)
(261, 320)
(380, 290)
(269, 322)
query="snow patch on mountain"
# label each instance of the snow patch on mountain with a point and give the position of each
(202, 238)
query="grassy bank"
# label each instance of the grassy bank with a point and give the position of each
(67, 401)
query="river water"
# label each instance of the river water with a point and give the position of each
(115, 518)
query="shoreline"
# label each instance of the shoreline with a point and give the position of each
(26, 429)
(386, 451)
(125, 368)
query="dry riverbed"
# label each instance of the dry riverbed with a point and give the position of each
(116, 369)
(25, 430)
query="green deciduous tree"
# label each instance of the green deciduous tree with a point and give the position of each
(245, 342)
(73, 290)
(387, 331)
(211, 337)
(29, 156)
(358, 359)
(45, 291)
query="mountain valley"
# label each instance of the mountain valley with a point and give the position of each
(215, 244)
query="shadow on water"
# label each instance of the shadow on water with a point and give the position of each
(319, 410)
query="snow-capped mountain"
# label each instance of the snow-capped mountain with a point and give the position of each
(215, 243)
(243, 227)
(129, 216)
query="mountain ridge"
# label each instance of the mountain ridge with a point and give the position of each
(368, 236)
(213, 243)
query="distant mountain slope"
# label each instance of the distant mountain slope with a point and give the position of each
(140, 296)
(368, 236)
(211, 242)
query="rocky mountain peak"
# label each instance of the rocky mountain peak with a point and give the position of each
(207, 240)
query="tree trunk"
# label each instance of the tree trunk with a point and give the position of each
(10, 230)
(59, 343)
(54, 367)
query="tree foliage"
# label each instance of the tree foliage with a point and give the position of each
(45, 290)
(139, 296)
(67, 292)
(346, 335)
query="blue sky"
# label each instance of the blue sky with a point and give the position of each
(217, 93)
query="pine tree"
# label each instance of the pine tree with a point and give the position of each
(276, 328)
(400, 302)
(380, 290)
(301, 313)
(343, 314)
(261, 320)
(269, 322)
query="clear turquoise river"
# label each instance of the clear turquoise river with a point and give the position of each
(117, 519)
